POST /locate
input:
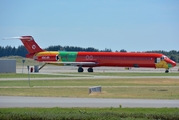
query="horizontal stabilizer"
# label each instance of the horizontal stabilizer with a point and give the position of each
(10, 38)
(29, 43)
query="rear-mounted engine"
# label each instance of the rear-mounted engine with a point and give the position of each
(46, 58)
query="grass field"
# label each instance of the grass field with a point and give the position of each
(107, 92)
(125, 74)
(147, 88)
(109, 82)
(21, 75)
(90, 113)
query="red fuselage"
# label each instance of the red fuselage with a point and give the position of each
(122, 59)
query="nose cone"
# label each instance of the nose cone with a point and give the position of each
(171, 63)
(174, 63)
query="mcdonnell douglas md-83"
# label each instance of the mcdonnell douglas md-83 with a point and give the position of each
(95, 59)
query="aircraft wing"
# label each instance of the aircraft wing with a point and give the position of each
(73, 63)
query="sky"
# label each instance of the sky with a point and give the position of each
(133, 25)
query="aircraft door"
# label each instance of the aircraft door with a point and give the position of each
(157, 60)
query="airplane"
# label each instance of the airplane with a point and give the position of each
(95, 59)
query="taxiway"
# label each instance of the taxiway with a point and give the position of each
(47, 102)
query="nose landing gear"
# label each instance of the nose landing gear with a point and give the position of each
(167, 71)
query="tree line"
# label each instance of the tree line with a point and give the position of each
(21, 51)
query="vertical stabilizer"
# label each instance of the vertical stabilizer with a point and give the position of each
(30, 44)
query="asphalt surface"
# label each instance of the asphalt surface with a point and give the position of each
(62, 69)
(67, 70)
(48, 102)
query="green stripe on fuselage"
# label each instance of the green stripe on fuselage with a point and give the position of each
(68, 56)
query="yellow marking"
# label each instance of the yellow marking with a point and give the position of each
(46, 53)
(162, 64)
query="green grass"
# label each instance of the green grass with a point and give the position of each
(107, 92)
(146, 88)
(96, 82)
(155, 88)
(21, 75)
(90, 113)
(127, 74)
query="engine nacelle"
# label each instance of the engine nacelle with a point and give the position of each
(46, 57)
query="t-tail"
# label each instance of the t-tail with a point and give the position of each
(31, 46)
(29, 43)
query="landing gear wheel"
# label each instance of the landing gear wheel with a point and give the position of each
(166, 71)
(80, 69)
(90, 69)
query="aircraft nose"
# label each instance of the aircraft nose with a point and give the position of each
(171, 63)
(174, 64)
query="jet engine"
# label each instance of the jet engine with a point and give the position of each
(44, 58)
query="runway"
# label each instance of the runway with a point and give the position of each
(48, 102)
(67, 69)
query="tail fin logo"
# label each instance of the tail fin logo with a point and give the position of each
(29, 43)
(33, 47)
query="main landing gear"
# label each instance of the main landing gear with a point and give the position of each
(90, 69)
(80, 69)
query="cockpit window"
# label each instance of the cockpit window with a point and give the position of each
(163, 57)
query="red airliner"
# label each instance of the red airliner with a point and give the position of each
(95, 59)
